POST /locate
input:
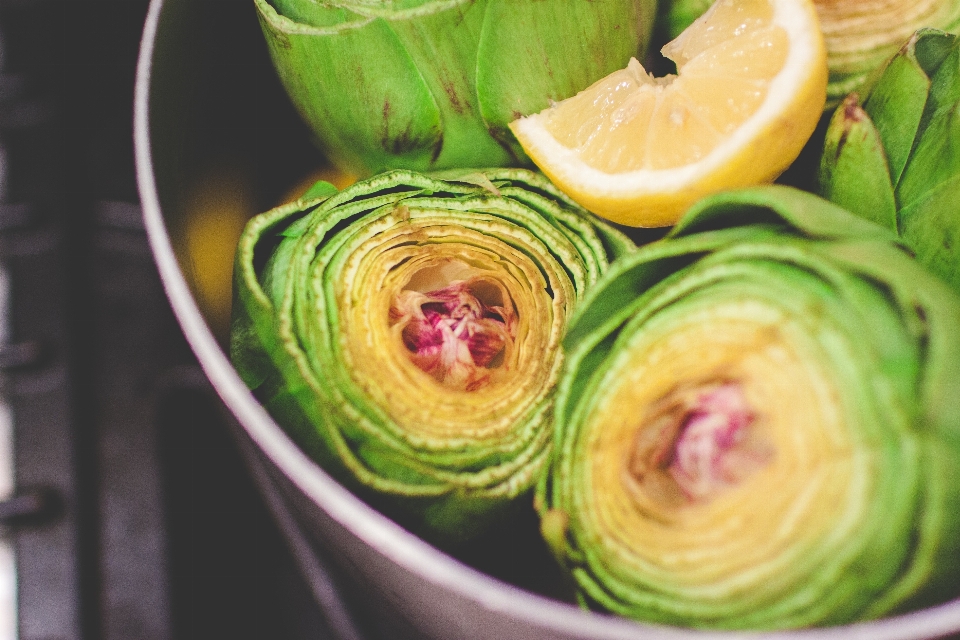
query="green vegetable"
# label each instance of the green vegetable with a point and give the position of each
(895, 158)
(432, 84)
(758, 424)
(677, 15)
(406, 332)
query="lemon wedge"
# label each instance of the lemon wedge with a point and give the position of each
(750, 87)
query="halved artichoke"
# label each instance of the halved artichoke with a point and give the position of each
(758, 424)
(406, 331)
(432, 84)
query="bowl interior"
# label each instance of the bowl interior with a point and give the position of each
(233, 146)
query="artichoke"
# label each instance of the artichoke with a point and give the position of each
(860, 34)
(895, 158)
(432, 84)
(406, 332)
(758, 424)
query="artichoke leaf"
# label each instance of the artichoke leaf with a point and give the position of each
(385, 110)
(935, 158)
(448, 74)
(931, 226)
(854, 171)
(523, 70)
(943, 69)
(913, 112)
(896, 105)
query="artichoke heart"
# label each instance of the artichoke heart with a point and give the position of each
(432, 84)
(406, 331)
(759, 424)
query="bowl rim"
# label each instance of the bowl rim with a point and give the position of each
(376, 530)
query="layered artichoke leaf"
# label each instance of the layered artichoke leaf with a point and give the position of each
(757, 425)
(407, 330)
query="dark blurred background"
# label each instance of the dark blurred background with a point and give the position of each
(131, 515)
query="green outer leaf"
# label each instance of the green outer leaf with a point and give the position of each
(939, 56)
(935, 158)
(929, 309)
(449, 74)
(853, 168)
(399, 9)
(443, 47)
(895, 106)
(930, 47)
(379, 115)
(523, 69)
(931, 226)
(320, 190)
(677, 15)
(900, 372)
(314, 14)
(249, 358)
(775, 204)
(915, 106)
(287, 344)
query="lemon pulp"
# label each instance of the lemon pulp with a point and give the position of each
(639, 150)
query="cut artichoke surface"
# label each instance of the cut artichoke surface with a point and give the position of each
(406, 331)
(432, 84)
(758, 424)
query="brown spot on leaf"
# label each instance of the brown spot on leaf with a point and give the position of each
(450, 88)
(853, 113)
(437, 150)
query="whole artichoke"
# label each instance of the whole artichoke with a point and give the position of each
(432, 84)
(759, 424)
(406, 332)
(895, 158)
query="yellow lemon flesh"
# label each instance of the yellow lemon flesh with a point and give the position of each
(750, 87)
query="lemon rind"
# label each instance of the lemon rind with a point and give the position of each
(604, 192)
